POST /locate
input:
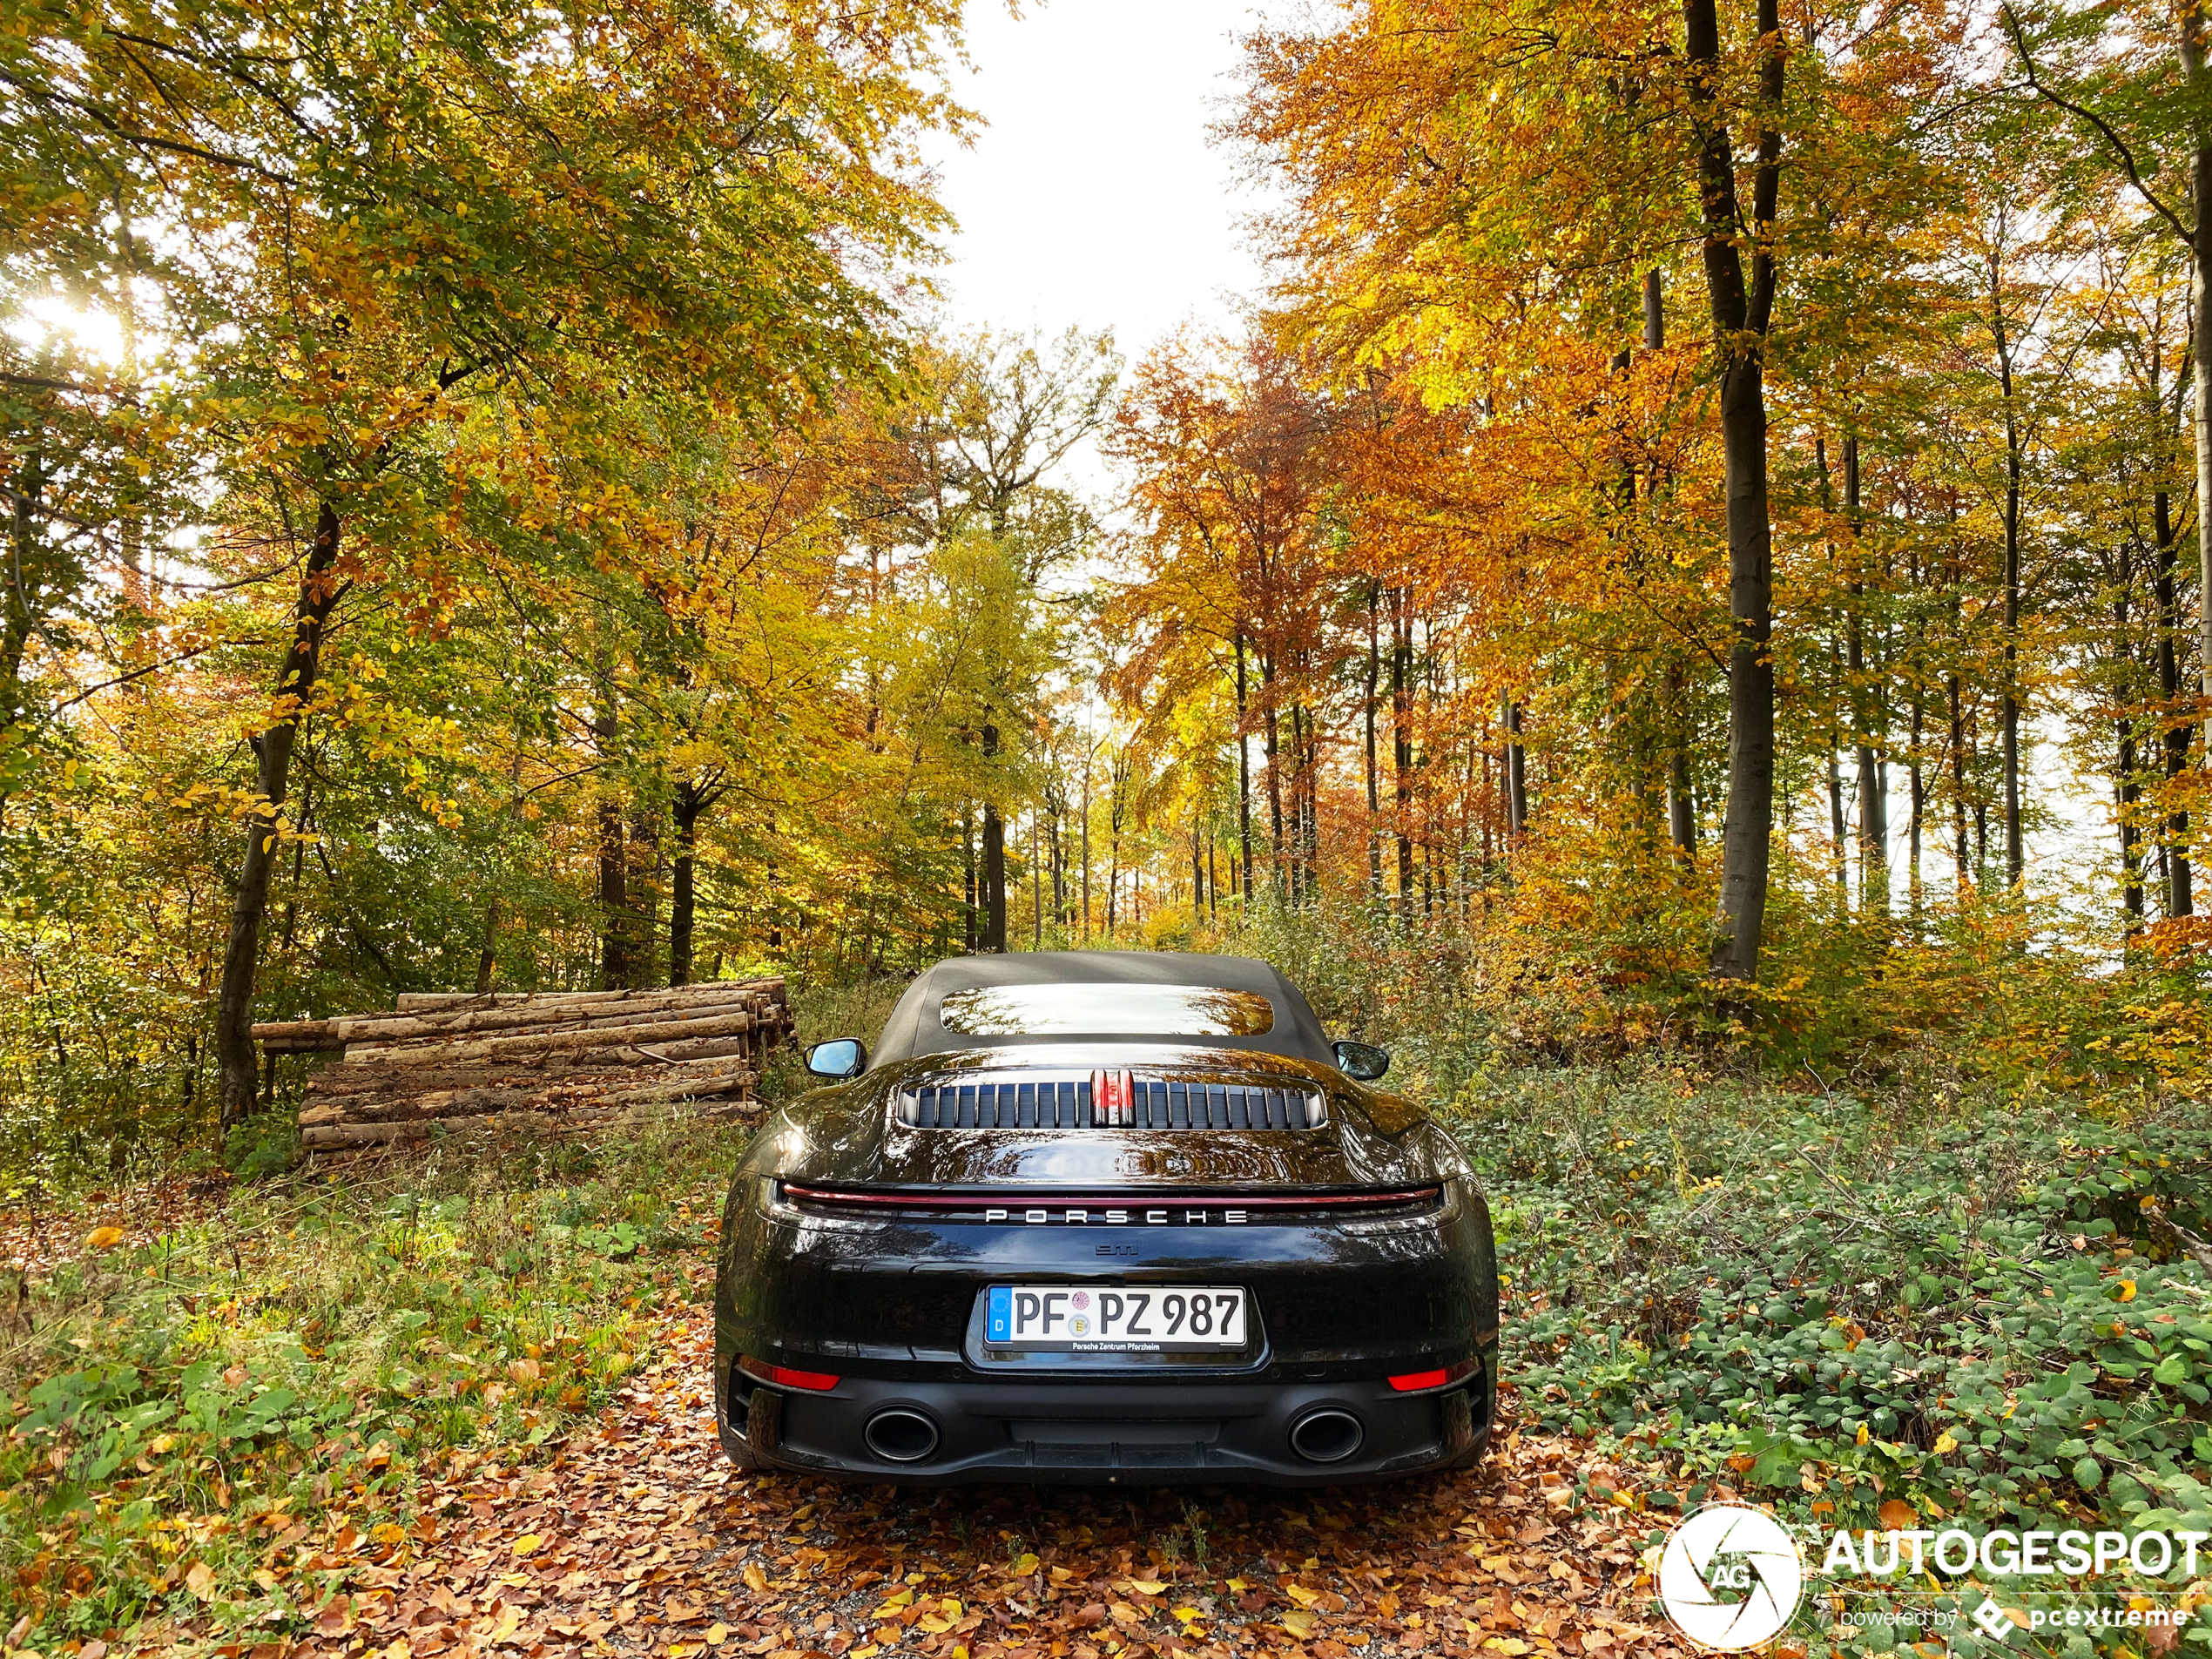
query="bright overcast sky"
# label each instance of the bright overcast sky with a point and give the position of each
(1093, 198)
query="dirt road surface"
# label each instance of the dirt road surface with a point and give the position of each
(636, 1538)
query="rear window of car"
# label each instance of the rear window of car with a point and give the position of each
(1106, 1010)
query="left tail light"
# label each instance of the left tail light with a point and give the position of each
(1419, 1382)
(785, 1377)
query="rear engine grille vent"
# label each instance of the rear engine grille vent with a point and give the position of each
(1109, 1100)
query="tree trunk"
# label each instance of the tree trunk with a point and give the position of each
(1059, 860)
(1836, 821)
(682, 900)
(1271, 750)
(617, 963)
(2128, 789)
(645, 893)
(994, 873)
(994, 937)
(1113, 850)
(1244, 781)
(2200, 83)
(488, 957)
(1867, 721)
(2015, 851)
(26, 584)
(1740, 321)
(1954, 693)
(968, 864)
(1919, 811)
(1374, 786)
(2180, 899)
(1309, 779)
(318, 592)
(1287, 851)
(1306, 820)
(1682, 806)
(614, 900)
(1515, 769)
(1917, 780)
(1401, 742)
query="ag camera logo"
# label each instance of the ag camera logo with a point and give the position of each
(1730, 1577)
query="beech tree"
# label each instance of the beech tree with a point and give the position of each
(389, 267)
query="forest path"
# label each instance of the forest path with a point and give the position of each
(637, 1538)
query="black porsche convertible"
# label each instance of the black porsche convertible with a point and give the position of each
(1092, 1215)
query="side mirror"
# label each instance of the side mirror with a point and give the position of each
(842, 1059)
(1362, 1060)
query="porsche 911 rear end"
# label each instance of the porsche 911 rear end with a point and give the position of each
(1181, 1264)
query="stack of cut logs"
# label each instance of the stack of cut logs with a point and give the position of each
(559, 1060)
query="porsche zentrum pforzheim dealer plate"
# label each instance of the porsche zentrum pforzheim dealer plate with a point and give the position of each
(1115, 1319)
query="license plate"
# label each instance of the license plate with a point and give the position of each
(1115, 1319)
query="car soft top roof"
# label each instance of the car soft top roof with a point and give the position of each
(914, 1028)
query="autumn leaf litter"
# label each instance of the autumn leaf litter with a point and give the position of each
(637, 1537)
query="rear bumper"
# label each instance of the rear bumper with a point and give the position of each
(1147, 1432)
(894, 1307)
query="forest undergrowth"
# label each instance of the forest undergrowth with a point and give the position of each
(1924, 1281)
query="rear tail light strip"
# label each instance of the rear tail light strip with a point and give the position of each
(1018, 1203)
(1110, 1100)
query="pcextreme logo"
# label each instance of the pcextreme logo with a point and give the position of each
(1730, 1577)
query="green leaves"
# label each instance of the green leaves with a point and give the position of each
(618, 1242)
(1952, 1305)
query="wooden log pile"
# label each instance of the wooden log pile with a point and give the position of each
(562, 1060)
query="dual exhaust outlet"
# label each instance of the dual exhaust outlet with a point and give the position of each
(902, 1434)
(1328, 1435)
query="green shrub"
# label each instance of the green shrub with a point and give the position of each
(1980, 1304)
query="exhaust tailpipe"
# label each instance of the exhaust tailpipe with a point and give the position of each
(900, 1435)
(1327, 1435)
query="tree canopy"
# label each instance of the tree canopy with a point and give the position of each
(1708, 517)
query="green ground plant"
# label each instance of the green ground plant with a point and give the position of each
(287, 1357)
(1991, 1310)
(1985, 1307)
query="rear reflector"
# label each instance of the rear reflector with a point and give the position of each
(784, 1377)
(1412, 1382)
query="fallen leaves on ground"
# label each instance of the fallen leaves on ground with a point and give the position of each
(636, 1538)
(35, 1241)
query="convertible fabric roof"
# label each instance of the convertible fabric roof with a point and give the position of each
(914, 1028)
